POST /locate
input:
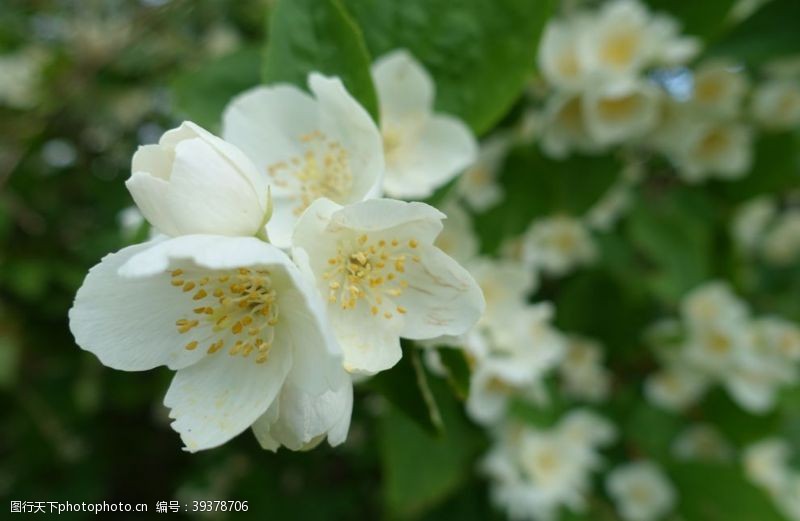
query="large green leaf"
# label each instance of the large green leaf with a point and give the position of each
(716, 492)
(318, 35)
(537, 186)
(480, 52)
(769, 33)
(421, 470)
(202, 93)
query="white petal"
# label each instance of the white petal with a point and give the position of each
(153, 159)
(444, 147)
(219, 397)
(208, 251)
(304, 418)
(267, 122)
(442, 298)
(208, 195)
(422, 220)
(345, 121)
(404, 87)
(126, 321)
(151, 195)
(370, 344)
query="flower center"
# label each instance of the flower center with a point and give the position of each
(323, 170)
(619, 49)
(370, 270)
(240, 307)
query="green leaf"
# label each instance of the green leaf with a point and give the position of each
(769, 33)
(201, 94)
(673, 231)
(480, 52)
(618, 327)
(537, 186)
(421, 470)
(406, 387)
(318, 36)
(718, 492)
(458, 372)
(650, 429)
(705, 19)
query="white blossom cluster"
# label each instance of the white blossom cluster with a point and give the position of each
(277, 270)
(767, 464)
(766, 229)
(718, 342)
(536, 472)
(619, 76)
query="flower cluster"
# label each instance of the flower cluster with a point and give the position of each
(766, 229)
(277, 270)
(619, 76)
(536, 472)
(717, 341)
(768, 464)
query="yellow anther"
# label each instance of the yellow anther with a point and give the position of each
(176, 273)
(201, 294)
(374, 310)
(401, 310)
(177, 282)
(413, 243)
(387, 315)
(191, 345)
(189, 286)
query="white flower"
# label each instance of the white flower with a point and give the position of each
(423, 150)
(585, 428)
(675, 388)
(776, 104)
(583, 376)
(750, 222)
(506, 285)
(781, 244)
(535, 472)
(716, 348)
(557, 245)
(232, 315)
(670, 46)
(620, 41)
(711, 303)
(719, 88)
(384, 279)
(777, 338)
(514, 364)
(478, 184)
(559, 59)
(766, 463)
(565, 128)
(701, 442)
(621, 112)
(708, 148)
(307, 147)
(641, 491)
(193, 182)
(458, 238)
